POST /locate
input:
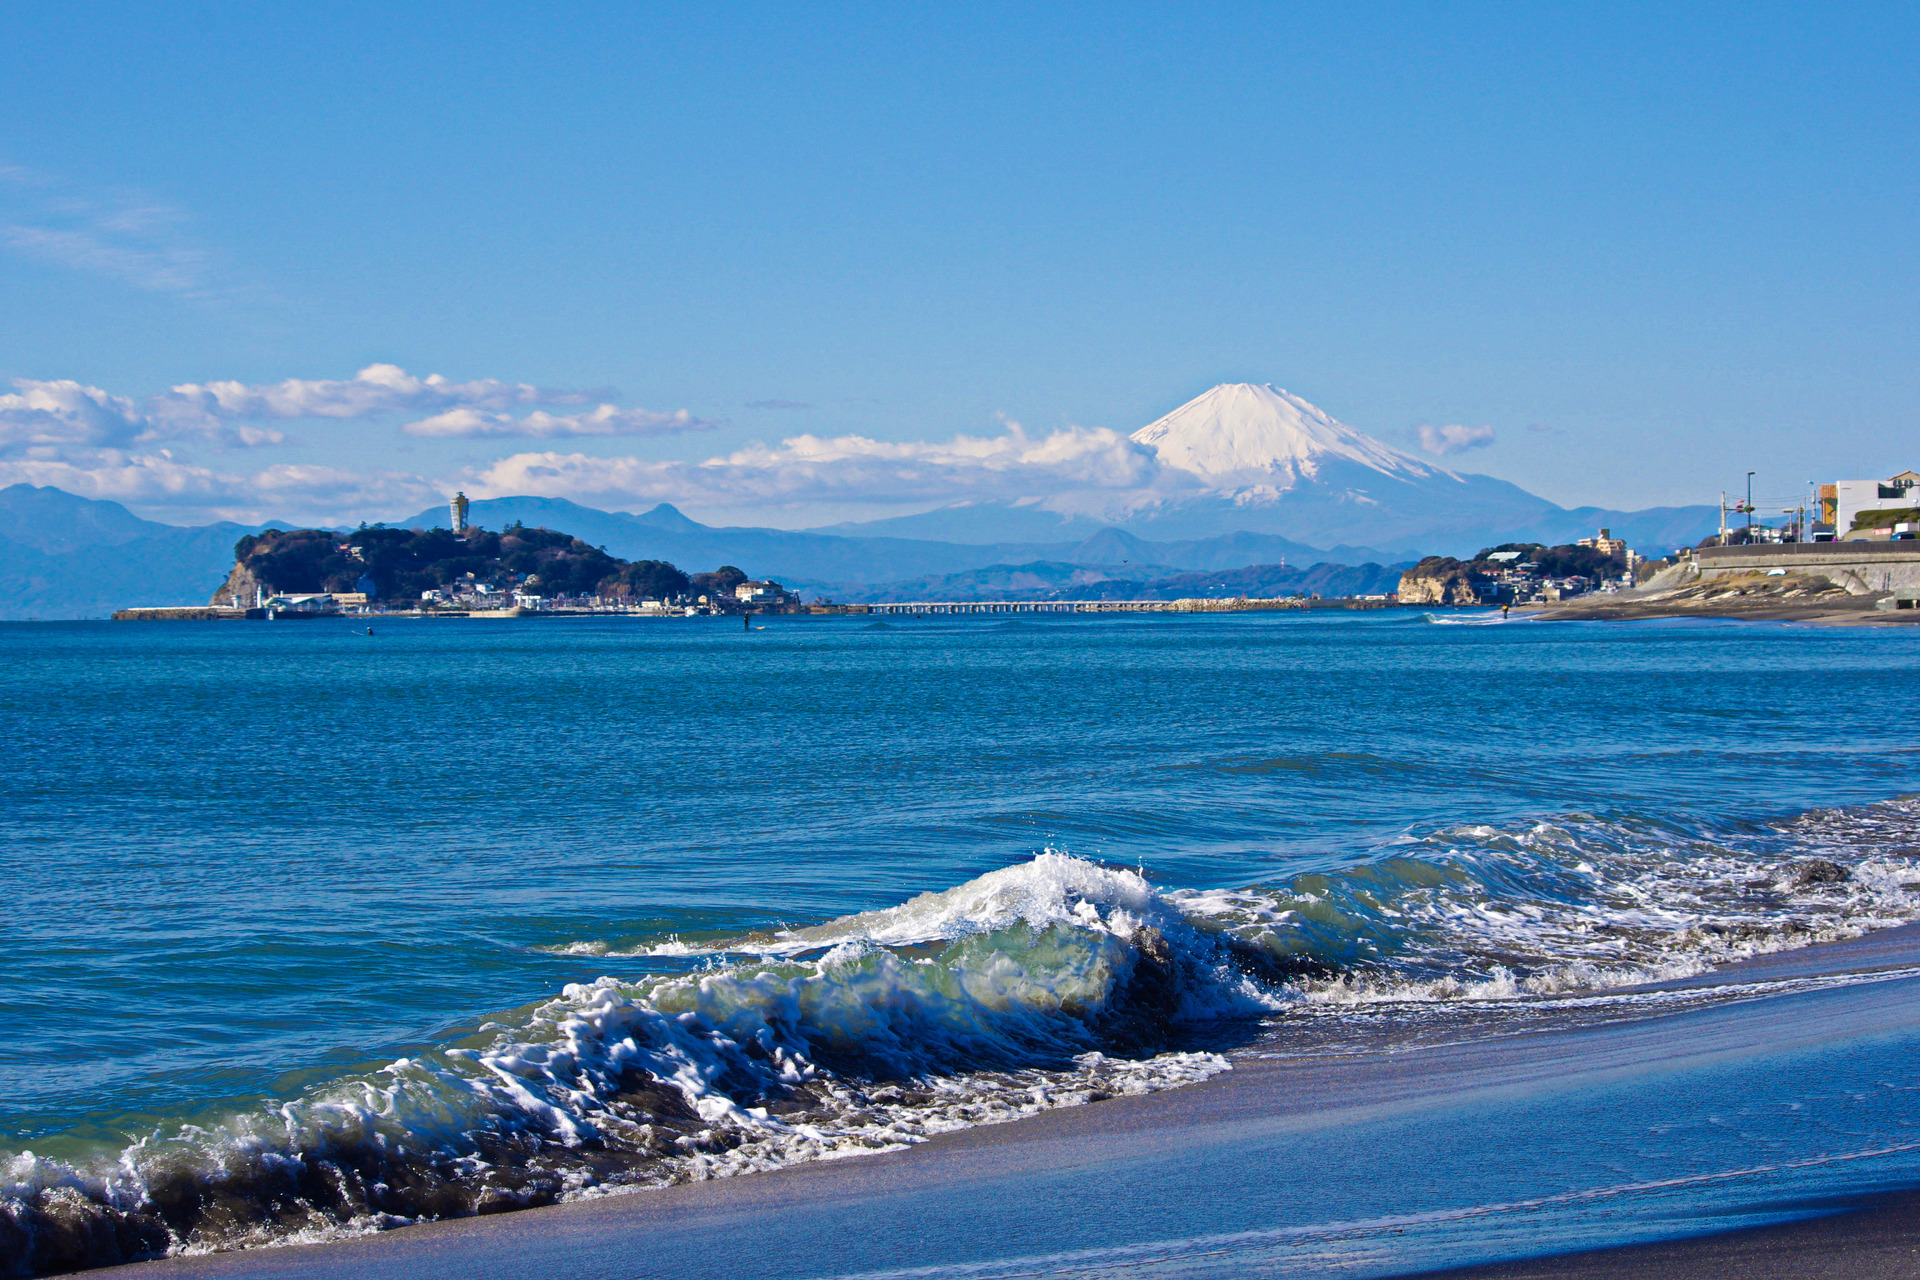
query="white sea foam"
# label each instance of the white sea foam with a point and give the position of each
(1048, 984)
(600, 948)
(1052, 982)
(1048, 889)
(1482, 913)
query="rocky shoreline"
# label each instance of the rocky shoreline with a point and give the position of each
(1791, 597)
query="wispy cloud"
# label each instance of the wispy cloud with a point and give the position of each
(809, 468)
(88, 442)
(93, 442)
(48, 414)
(376, 389)
(159, 481)
(124, 236)
(1453, 438)
(603, 420)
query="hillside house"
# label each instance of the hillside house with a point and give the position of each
(760, 593)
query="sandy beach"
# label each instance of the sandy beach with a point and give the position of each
(1091, 1191)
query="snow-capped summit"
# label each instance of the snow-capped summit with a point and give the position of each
(1257, 433)
(1251, 459)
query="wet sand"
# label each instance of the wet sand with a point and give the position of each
(1204, 1181)
(1865, 1238)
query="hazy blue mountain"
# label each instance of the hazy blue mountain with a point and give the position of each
(1394, 516)
(1222, 551)
(973, 522)
(1044, 580)
(53, 520)
(63, 556)
(836, 561)
(178, 566)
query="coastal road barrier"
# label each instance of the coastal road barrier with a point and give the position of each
(1863, 568)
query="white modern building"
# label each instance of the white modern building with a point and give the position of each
(1851, 497)
(314, 604)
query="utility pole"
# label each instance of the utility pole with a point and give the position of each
(1723, 517)
(1749, 508)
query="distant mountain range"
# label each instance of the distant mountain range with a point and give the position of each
(1247, 458)
(63, 556)
(1249, 478)
(1053, 581)
(68, 557)
(836, 563)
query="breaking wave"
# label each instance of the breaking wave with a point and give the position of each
(1054, 982)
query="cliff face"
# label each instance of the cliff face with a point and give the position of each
(238, 590)
(1437, 580)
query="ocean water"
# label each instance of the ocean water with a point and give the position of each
(310, 932)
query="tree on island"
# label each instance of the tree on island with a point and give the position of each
(720, 582)
(400, 564)
(649, 580)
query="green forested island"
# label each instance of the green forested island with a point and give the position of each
(400, 565)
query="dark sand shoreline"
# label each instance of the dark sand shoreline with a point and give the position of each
(1873, 1237)
(1007, 1200)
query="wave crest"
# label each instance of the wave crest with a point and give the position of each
(1052, 982)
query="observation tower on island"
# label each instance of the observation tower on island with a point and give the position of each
(459, 509)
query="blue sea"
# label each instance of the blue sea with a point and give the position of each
(311, 932)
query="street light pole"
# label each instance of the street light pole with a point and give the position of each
(1749, 508)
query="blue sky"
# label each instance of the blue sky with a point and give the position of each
(1650, 249)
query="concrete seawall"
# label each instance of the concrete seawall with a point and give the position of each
(187, 613)
(1863, 568)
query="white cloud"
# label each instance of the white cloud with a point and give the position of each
(87, 442)
(159, 480)
(1453, 438)
(376, 389)
(41, 415)
(64, 414)
(809, 468)
(48, 417)
(603, 420)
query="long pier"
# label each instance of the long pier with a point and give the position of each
(1193, 605)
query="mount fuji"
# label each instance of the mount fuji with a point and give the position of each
(1253, 458)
